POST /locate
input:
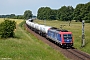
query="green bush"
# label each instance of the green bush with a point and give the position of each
(7, 28)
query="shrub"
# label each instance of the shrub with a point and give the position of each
(7, 28)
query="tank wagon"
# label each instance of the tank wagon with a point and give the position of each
(62, 37)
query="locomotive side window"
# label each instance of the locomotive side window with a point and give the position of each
(59, 37)
(53, 34)
(56, 36)
(49, 33)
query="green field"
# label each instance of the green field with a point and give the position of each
(26, 47)
(18, 21)
(76, 29)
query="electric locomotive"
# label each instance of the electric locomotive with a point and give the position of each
(62, 37)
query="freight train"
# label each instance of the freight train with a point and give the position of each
(62, 37)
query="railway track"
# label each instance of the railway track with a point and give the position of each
(79, 54)
(72, 54)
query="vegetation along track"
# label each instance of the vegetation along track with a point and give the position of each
(72, 54)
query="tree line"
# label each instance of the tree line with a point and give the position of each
(27, 15)
(13, 16)
(65, 13)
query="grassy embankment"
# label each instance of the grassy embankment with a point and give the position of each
(76, 29)
(26, 47)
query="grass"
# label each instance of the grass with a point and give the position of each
(76, 29)
(27, 47)
(1, 20)
(18, 21)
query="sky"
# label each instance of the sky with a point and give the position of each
(18, 7)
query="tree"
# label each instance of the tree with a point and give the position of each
(27, 14)
(40, 13)
(82, 12)
(7, 28)
(86, 11)
(65, 13)
(44, 13)
(19, 17)
(53, 14)
(78, 12)
(12, 15)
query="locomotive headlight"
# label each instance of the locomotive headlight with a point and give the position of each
(67, 40)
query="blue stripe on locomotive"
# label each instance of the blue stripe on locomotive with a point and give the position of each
(54, 36)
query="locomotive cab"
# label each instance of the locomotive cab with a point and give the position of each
(67, 39)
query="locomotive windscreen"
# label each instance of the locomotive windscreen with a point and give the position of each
(67, 36)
